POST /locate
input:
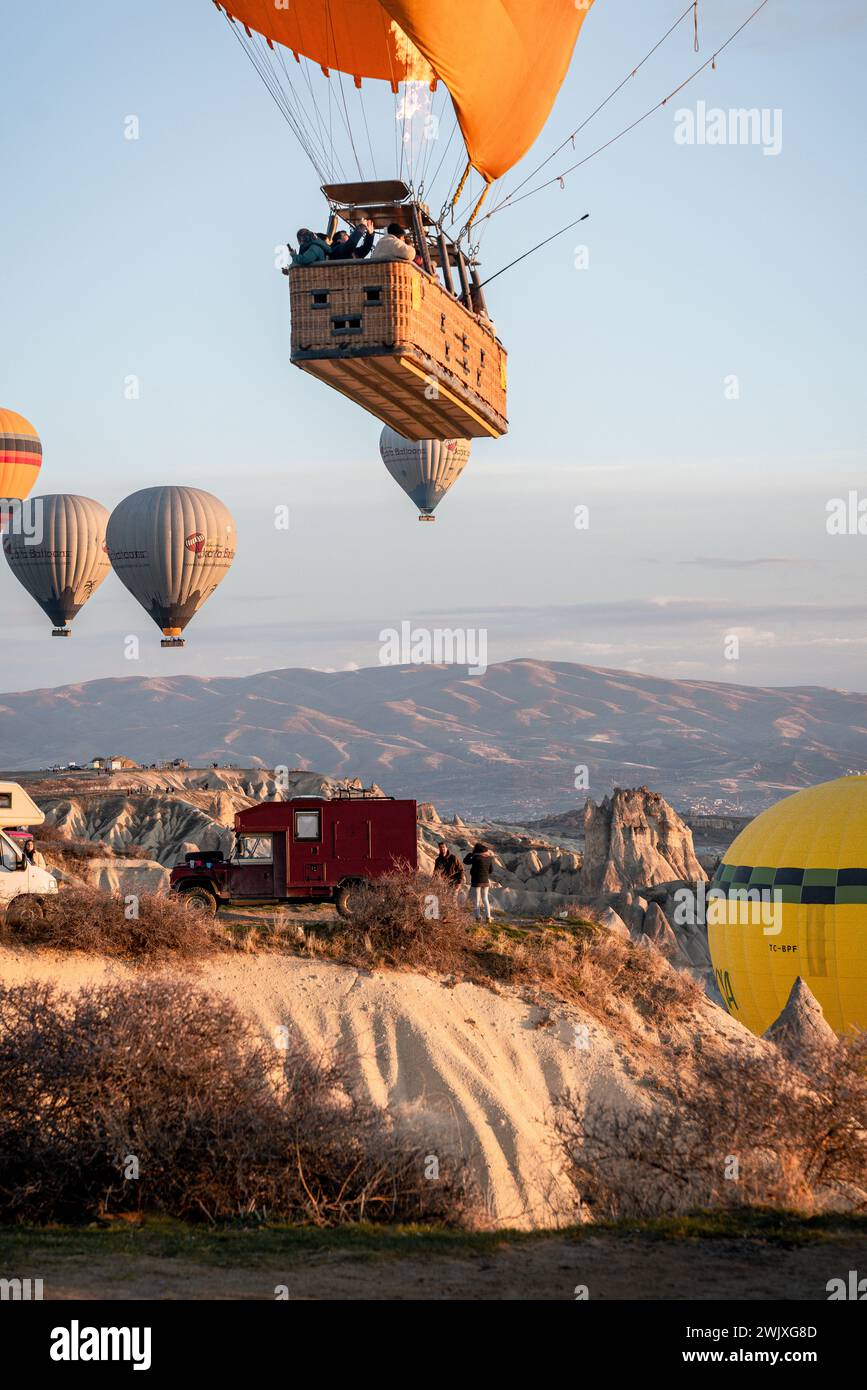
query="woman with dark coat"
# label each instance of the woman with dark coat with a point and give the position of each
(481, 863)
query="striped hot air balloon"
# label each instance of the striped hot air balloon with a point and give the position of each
(65, 561)
(20, 459)
(171, 547)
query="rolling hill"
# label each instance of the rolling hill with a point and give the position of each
(505, 743)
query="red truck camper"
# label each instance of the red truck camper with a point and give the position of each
(308, 848)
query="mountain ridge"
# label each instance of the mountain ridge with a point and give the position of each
(504, 743)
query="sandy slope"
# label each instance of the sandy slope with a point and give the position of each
(479, 1070)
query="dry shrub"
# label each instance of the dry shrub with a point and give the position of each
(85, 919)
(416, 921)
(746, 1129)
(177, 1081)
(588, 967)
(615, 972)
(579, 963)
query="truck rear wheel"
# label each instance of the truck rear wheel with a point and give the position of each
(200, 899)
(343, 899)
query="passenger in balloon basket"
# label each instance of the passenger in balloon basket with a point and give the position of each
(354, 245)
(394, 246)
(312, 248)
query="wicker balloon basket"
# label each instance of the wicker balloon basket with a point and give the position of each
(395, 341)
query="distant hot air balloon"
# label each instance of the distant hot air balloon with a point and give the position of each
(425, 468)
(65, 560)
(20, 459)
(171, 547)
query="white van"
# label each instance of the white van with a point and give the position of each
(16, 875)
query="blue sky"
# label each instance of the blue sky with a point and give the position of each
(155, 258)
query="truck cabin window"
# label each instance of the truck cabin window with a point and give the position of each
(9, 859)
(307, 825)
(5, 801)
(254, 849)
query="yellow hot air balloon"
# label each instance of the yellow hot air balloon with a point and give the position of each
(20, 459)
(789, 900)
(171, 547)
(65, 560)
(424, 468)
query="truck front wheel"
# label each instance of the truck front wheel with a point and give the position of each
(25, 909)
(200, 899)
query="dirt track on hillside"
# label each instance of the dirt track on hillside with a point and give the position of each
(611, 1267)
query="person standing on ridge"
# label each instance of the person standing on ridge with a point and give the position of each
(448, 866)
(481, 863)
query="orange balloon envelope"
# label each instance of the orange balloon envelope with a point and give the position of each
(503, 61)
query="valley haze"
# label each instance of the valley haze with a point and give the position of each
(504, 743)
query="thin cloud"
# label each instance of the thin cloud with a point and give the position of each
(726, 562)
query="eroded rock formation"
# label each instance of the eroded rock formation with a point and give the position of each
(800, 1031)
(634, 838)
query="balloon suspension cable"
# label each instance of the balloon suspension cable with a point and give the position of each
(532, 249)
(482, 197)
(460, 188)
(512, 199)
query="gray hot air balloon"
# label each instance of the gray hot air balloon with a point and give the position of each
(426, 468)
(65, 560)
(171, 547)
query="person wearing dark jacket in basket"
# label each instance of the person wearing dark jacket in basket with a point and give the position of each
(448, 865)
(481, 863)
(354, 245)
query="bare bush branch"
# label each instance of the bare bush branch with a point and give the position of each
(177, 1080)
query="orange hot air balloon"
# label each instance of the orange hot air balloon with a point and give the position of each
(20, 458)
(418, 350)
(503, 61)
